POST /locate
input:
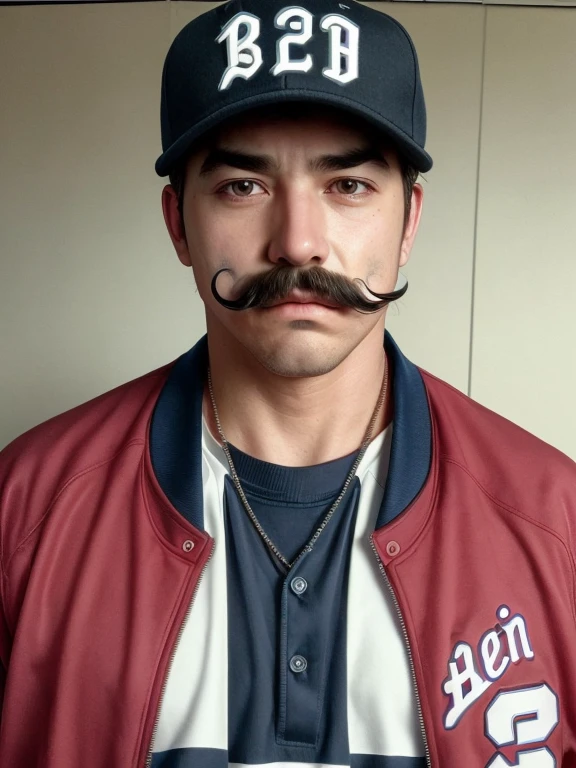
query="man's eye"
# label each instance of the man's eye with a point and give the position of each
(350, 186)
(242, 188)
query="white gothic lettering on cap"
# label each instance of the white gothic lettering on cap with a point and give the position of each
(300, 20)
(244, 56)
(344, 42)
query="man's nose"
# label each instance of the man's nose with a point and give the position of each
(298, 234)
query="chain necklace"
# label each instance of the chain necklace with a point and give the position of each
(236, 480)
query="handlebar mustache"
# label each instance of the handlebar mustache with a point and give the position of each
(265, 288)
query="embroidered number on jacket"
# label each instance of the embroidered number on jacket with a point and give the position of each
(506, 725)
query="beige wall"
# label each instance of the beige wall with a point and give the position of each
(92, 294)
(523, 362)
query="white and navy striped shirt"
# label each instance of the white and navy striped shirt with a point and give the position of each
(378, 714)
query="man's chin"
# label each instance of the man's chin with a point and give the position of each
(294, 362)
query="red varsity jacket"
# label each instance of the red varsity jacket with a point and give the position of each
(102, 547)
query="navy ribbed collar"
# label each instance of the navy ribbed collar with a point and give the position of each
(293, 485)
(176, 435)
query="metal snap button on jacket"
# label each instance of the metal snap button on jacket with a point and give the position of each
(392, 548)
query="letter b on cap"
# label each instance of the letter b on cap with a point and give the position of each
(244, 56)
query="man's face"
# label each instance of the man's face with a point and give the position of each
(314, 190)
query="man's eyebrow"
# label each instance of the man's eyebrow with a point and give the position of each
(349, 159)
(221, 156)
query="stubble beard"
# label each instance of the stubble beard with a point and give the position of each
(302, 358)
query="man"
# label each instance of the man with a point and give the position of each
(290, 546)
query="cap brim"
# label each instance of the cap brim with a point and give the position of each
(420, 159)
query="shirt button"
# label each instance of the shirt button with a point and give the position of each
(299, 585)
(298, 663)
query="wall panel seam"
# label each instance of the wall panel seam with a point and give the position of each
(477, 203)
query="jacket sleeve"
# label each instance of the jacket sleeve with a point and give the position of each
(12, 501)
(5, 644)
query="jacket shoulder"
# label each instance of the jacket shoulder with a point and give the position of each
(42, 460)
(514, 466)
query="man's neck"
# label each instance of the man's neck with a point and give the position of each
(298, 421)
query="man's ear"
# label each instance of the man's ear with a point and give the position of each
(175, 224)
(412, 224)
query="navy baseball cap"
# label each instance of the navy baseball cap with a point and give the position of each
(249, 53)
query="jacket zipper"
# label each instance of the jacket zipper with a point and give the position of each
(407, 642)
(171, 660)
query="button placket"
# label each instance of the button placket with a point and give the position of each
(298, 663)
(311, 595)
(299, 676)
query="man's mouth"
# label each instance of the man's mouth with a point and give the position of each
(303, 297)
